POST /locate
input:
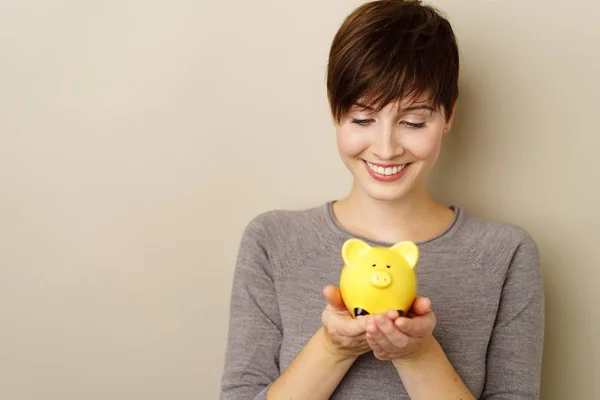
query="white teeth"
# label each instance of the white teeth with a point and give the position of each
(386, 171)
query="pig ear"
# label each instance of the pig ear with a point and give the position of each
(408, 250)
(351, 248)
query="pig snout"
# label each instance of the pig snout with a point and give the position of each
(381, 279)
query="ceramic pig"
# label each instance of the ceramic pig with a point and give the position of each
(377, 279)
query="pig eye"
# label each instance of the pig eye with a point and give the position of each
(389, 266)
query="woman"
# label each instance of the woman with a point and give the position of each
(476, 328)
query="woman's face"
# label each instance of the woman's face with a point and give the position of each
(389, 152)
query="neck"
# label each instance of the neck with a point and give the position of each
(416, 216)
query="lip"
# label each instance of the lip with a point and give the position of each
(386, 178)
(386, 165)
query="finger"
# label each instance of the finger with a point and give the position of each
(383, 332)
(352, 328)
(392, 314)
(334, 298)
(421, 305)
(391, 333)
(364, 321)
(348, 326)
(373, 344)
(418, 327)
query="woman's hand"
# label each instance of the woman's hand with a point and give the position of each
(345, 336)
(401, 338)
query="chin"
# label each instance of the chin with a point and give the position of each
(380, 192)
(387, 191)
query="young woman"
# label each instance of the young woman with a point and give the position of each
(476, 329)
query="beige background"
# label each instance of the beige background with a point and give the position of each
(139, 137)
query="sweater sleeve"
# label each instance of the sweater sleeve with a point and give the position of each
(255, 332)
(514, 356)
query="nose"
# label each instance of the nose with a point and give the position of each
(381, 279)
(386, 146)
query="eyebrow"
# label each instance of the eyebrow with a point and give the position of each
(413, 108)
(405, 109)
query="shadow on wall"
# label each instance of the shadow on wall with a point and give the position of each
(451, 173)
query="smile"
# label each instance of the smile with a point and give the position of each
(387, 171)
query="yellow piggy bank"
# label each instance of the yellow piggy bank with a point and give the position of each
(378, 279)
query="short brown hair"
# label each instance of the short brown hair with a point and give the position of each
(390, 50)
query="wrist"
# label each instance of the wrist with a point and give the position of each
(336, 354)
(427, 348)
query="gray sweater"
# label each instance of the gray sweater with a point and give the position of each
(483, 278)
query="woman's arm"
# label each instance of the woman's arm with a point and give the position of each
(255, 327)
(314, 374)
(419, 359)
(431, 376)
(319, 368)
(514, 358)
(252, 370)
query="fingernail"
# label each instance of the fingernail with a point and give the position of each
(379, 318)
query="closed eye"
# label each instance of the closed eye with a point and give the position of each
(413, 125)
(367, 122)
(362, 122)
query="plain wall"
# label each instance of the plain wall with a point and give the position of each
(137, 139)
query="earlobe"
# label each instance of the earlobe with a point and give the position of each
(450, 121)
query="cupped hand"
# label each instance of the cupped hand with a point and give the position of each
(345, 336)
(392, 337)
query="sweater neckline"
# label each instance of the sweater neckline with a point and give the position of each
(336, 226)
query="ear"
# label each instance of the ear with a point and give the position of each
(408, 250)
(450, 121)
(352, 247)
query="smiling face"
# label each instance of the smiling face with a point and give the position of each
(399, 58)
(390, 152)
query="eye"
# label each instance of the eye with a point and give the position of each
(374, 265)
(362, 122)
(389, 266)
(413, 125)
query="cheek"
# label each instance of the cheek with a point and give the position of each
(351, 143)
(425, 145)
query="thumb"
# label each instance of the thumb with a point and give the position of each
(334, 298)
(421, 305)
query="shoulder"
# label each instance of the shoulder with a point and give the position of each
(493, 242)
(492, 232)
(280, 225)
(283, 236)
